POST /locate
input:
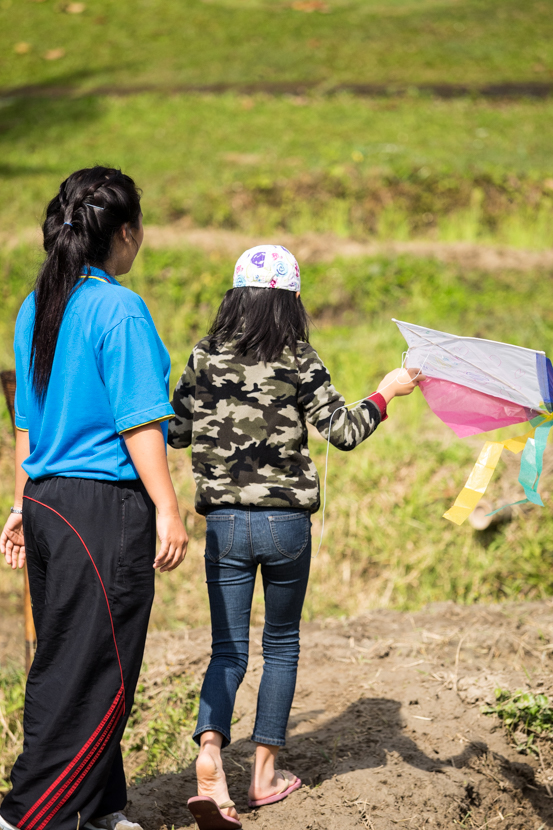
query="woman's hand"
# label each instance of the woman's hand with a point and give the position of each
(12, 543)
(399, 382)
(174, 541)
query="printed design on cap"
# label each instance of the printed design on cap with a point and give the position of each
(267, 266)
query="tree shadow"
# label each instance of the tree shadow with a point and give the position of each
(370, 729)
(65, 83)
(30, 117)
(27, 124)
(13, 171)
(360, 738)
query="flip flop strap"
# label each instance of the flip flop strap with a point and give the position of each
(286, 781)
(226, 804)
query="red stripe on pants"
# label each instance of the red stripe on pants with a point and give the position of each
(116, 710)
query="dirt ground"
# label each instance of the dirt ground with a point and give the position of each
(386, 729)
(314, 247)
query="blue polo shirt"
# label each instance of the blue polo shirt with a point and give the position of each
(110, 374)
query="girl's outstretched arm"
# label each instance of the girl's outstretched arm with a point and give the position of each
(147, 449)
(326, 409)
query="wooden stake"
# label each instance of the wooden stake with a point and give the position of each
(8, 385)
(30, 632)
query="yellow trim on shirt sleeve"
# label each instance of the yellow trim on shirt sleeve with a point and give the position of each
(153, 421)
(22, 429)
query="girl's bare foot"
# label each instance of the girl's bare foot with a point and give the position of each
(265, 787)
(266, 781)
(212, 781)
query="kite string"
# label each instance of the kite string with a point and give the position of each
(345, 406)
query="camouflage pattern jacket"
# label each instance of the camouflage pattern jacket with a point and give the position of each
(246, 422)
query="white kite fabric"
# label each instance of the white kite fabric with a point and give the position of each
(498, 369)
(476, 385)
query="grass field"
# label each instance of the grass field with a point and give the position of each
(449, 170)
(467, 169)
(235, 41)
(417, 166)
(385, 541)
(104, 82)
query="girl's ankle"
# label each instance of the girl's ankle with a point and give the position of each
(263, 774)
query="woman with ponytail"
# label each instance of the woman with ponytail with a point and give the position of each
(91, 471)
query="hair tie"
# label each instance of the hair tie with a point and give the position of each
(96, 207)
(68, 223)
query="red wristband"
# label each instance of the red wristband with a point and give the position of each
(380, 401)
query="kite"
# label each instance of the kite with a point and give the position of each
(475, 385)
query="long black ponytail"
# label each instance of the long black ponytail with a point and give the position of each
(81, 222)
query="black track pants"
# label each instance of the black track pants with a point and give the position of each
(90, 551)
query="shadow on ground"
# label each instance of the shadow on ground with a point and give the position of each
(369, 741)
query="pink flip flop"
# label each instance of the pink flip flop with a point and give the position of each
(208, 814)
(272, 799)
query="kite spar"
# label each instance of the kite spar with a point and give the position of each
(475, 385)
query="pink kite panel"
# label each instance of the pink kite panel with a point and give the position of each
(469, 412)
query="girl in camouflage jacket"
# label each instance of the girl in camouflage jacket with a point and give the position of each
(243, 402)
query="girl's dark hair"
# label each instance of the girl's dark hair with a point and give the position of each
(80, 224)
(261, 321)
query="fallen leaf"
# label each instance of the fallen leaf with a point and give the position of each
(54, 54)
(242, 158)
(75, 8)
(22, 48)
(309, 6)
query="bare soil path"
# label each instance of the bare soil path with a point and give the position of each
(313, 247)
(386, 729)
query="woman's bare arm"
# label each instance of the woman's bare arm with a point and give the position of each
(12, 543)
(146, 447)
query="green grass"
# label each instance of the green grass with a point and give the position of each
(12, 697)
(398, 168)
(351, 303)
(419, 167)
(526, 716)
(173, 42)
(157, 736)
(395, 168)
(386, 543)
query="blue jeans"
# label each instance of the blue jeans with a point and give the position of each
(237, 541)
